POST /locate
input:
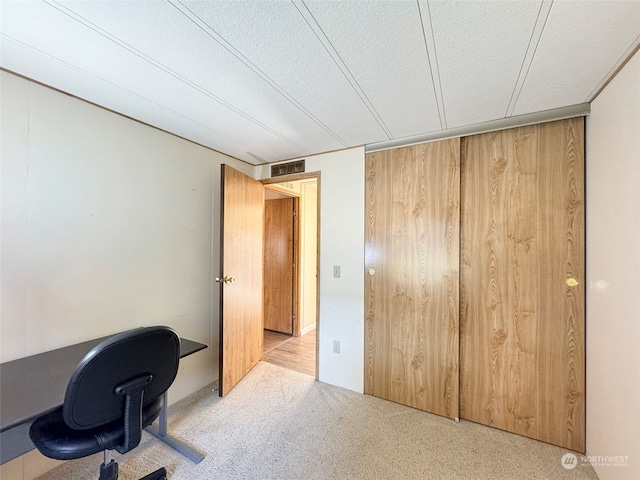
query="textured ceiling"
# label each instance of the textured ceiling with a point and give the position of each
(271, 80)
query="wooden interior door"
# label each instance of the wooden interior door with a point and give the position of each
(522, 282)
(279, 260)
(411, 278)
(242, 210)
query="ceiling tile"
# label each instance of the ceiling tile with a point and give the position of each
(580, 44)
(480, 48)
(163, 33)
(382, 44)
(275, 39)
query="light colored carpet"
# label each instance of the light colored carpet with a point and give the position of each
(280, 424)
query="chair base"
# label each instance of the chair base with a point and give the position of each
(109, 471)
(160, 474)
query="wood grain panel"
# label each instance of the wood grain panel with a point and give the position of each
(411, 302)
(522, 236)
(241, 301)
(279, 279)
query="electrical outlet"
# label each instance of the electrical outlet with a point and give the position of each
(336, 346)
(336, 271)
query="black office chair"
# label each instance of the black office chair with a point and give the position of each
(116, 391)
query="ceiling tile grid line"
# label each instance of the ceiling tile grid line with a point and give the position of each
(169, 71)
(430, 47)
(534, 41)
(382, 42)
(113, 85)
(278, 40)
(342, 65)
(211, 32)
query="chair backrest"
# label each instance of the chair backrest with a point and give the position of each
(91, 399)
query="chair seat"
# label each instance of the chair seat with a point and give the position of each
(51, 435)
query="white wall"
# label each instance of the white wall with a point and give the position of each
(341, 243)
(107, 224)
(613, 272)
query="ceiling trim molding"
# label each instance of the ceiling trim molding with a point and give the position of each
(562, 113)
(626, 56)
(133, 119)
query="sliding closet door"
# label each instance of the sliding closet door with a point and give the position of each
(411, 278)
(522, 315)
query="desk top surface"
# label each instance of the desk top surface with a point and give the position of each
(34, 385)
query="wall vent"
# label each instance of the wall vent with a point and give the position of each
(287, 168)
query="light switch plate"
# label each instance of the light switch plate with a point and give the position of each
(336, 271)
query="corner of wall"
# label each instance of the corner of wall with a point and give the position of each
(613, 304)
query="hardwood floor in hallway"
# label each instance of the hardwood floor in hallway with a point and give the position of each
(294, 353)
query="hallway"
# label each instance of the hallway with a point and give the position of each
(294, 353)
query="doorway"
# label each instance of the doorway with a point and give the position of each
(290, 274)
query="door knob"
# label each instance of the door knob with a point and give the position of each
(225, 279)
(372, 271)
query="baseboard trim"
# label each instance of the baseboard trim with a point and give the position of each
(308, 329)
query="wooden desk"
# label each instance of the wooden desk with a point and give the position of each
(32, 386)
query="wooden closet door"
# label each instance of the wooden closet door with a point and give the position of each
(522, 320)
(411, 277)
